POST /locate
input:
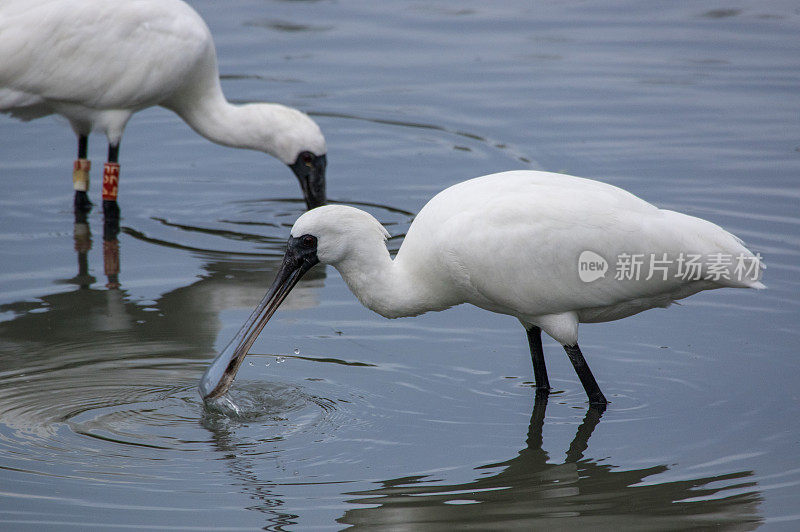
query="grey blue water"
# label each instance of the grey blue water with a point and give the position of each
(346, 419)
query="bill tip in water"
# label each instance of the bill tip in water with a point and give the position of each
(218, 378)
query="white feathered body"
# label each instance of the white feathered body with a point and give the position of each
(98, 61)
(511, 242)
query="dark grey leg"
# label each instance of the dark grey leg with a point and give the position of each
(111, 262)
(83, 146)
(537, 357)
(110, 183)
(113, 153)
(81, 204)
(596, 397)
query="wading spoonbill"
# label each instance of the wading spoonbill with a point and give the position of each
(551, 250)
(96, 62)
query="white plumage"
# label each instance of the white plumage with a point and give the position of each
(511, 243)
(97, 62)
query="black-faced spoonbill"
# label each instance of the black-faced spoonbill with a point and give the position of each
(551, 250)
(96, 62)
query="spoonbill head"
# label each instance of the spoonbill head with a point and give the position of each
(96, 62)
(514, 243)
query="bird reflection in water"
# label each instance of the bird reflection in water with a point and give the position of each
(531, 492)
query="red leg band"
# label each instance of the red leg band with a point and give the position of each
(110, 181)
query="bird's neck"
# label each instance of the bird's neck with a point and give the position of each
(393, 288)
(246, 126)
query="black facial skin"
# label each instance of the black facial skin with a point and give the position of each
(310, 171)
(300, 256)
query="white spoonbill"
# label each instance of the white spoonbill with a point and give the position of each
(551, 250)
(96, 62)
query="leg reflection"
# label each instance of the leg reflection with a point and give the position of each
(82, 236)
(581, 441)
(111, 262)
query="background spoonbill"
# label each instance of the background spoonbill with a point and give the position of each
(96, 62)
(513, 243)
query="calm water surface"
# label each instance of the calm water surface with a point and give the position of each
(349, 420)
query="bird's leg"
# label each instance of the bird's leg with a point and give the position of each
(80, 180)
(537, 357)
(111, 217)
(111, 186)
(596, 397)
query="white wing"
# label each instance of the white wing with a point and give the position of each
(100, 54)
(537, 224)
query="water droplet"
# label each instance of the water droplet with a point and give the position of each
(266, 364)
(250, 362)
(280, 360)
(225, 400)
(296, 350)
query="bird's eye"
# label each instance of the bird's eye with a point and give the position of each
(307, 158)
(308, 241)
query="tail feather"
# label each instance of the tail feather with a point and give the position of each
(726, 260)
